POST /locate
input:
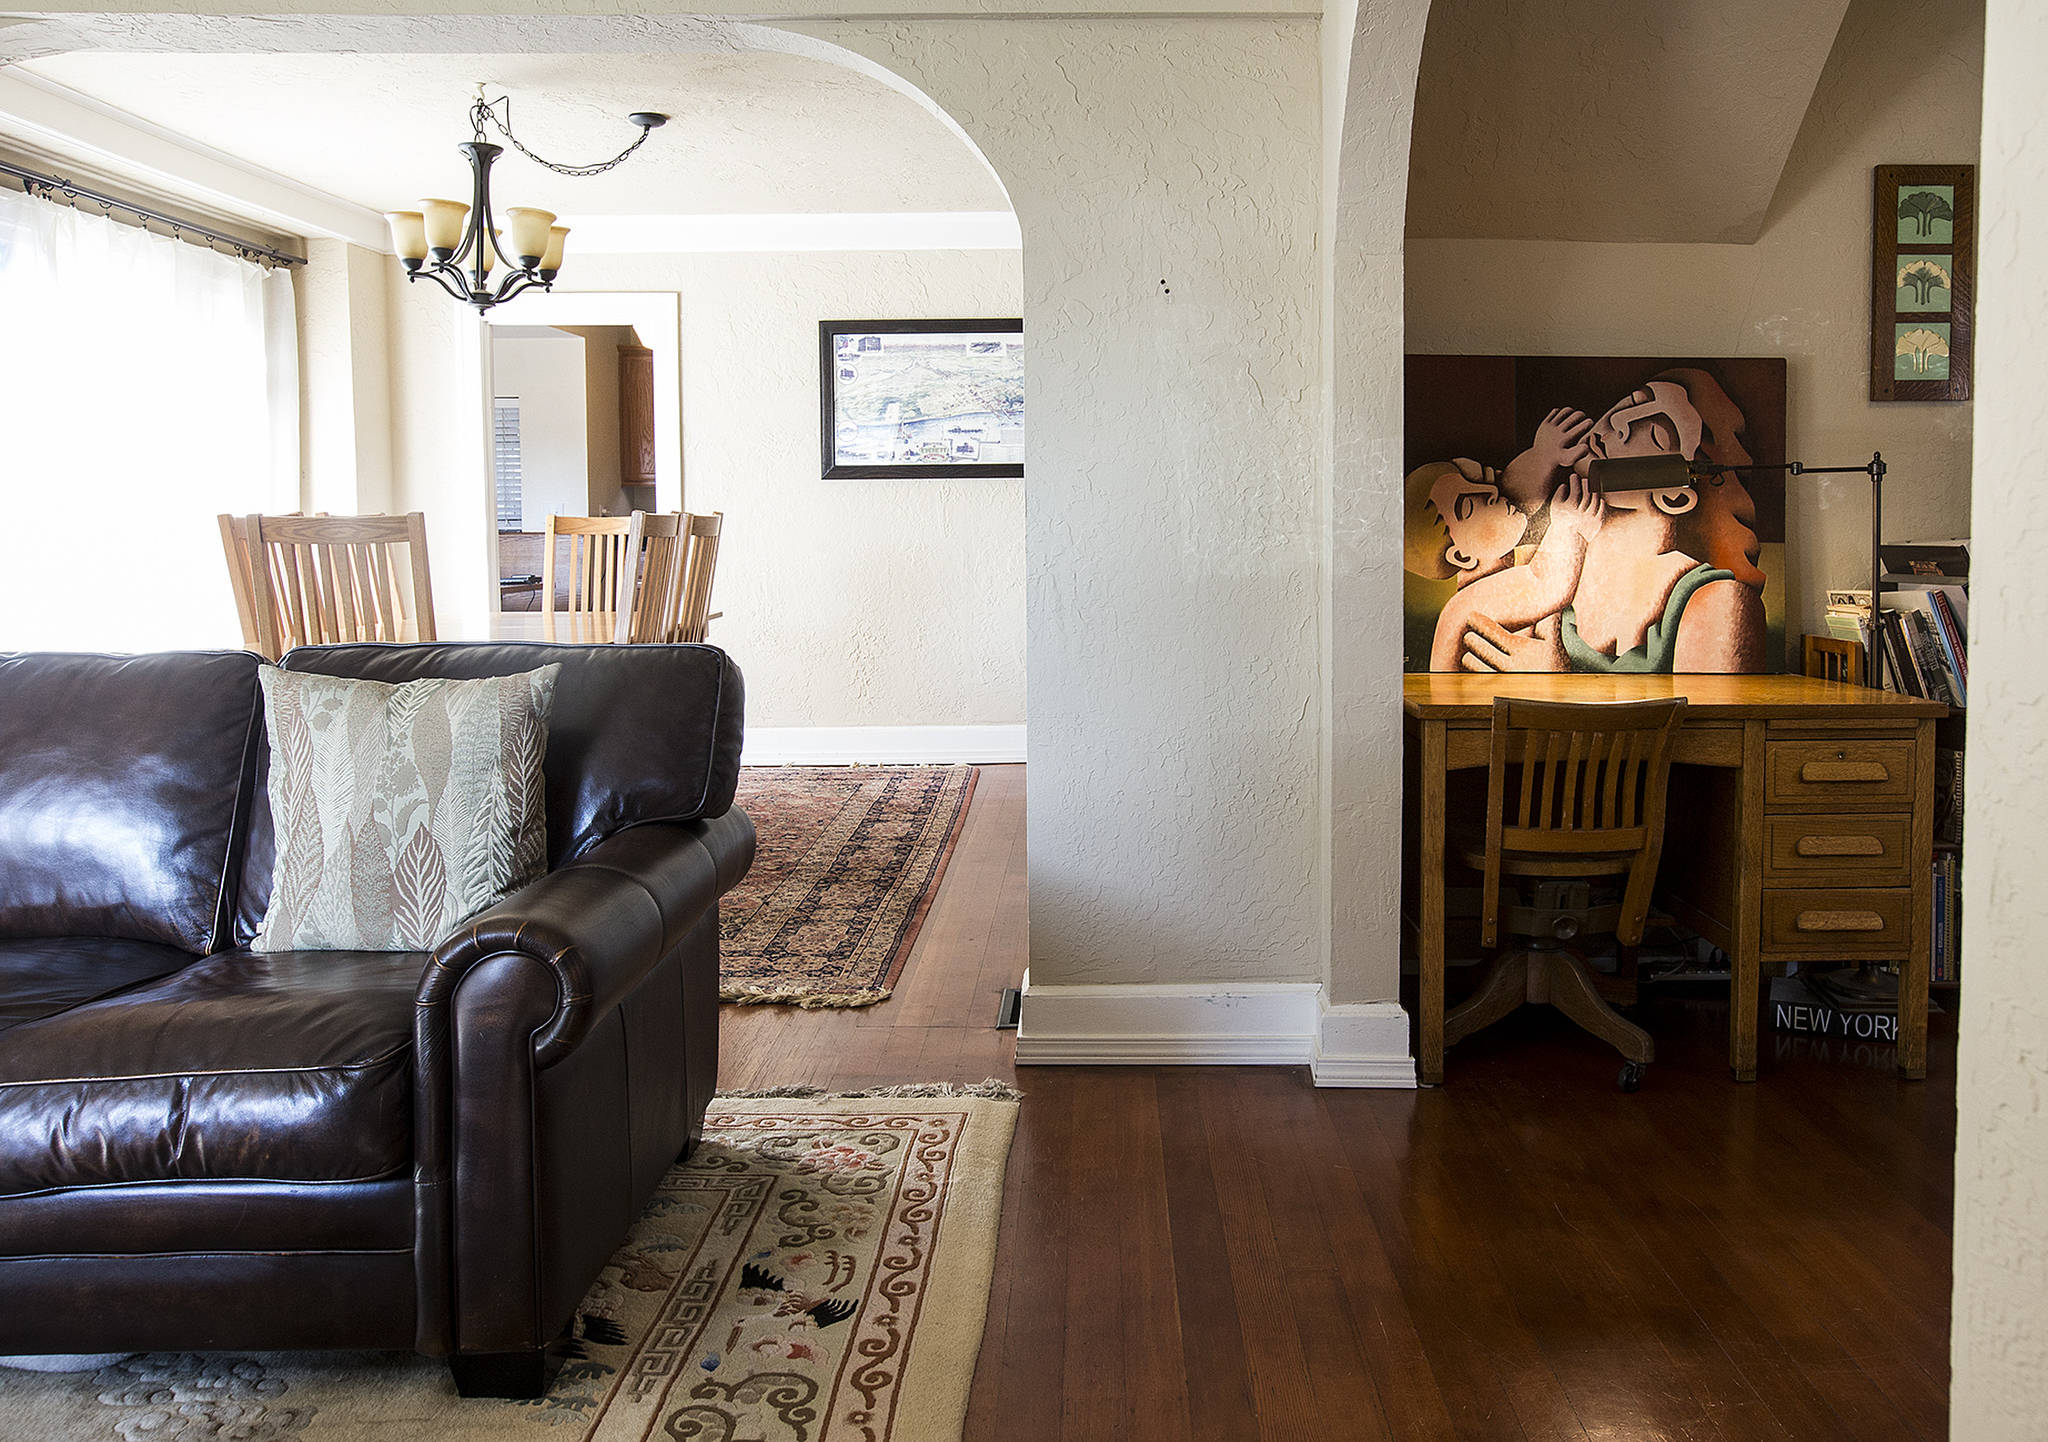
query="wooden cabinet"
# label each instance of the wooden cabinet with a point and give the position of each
(636, 416)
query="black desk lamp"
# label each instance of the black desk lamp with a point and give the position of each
(1674, 473)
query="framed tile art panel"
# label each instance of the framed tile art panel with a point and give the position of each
(1922, 282)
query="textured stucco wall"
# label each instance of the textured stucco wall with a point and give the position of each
(1362, 526)
(1901, 86)
(2000, 1329)
(1166, 175)
(866, 603)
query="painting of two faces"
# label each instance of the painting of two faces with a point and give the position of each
(1518, 559)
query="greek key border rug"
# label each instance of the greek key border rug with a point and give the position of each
(817, 1272)
(848, 860)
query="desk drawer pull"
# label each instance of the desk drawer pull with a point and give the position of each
(1838, 921)
(1839, 846)
(1844, 771)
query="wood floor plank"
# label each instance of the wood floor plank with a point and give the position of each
(1230, 1255)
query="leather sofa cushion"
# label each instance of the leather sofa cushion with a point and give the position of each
(291, 1066)
(41, 976)
(120, 788)
(636, 734)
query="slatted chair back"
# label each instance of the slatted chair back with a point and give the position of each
(692, 613)
(597, 561)
(1589, 800)
(328, 580)
(1834, 660)
(661, 572)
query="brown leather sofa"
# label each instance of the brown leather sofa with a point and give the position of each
(202, 1147)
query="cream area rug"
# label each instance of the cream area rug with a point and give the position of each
(817, 1272)
(848, 860)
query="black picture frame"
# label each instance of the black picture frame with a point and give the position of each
(1946, 239)
(830, 335)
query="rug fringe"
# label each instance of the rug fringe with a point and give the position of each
(989, 1090)
(807, 1000)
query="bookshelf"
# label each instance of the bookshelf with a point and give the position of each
(1920, 647)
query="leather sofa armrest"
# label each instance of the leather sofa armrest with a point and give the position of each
(598, 924)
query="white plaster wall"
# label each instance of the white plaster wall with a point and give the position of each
(2000, 1328)
(344, 379)
(1901, 86)
(546, 374)
(1166, 174)
(864, 603)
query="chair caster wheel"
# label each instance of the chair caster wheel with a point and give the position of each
(1631, 1076)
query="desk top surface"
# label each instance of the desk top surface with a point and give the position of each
(1446, 695)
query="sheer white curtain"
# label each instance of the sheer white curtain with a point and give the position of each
(146, 385)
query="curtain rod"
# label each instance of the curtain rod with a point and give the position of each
(35, 182)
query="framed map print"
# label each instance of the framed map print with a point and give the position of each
(908, 398)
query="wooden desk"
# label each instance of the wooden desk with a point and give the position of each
(1800, 828)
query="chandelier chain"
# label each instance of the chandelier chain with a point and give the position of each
(487, 111)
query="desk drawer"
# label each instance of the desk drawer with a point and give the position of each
(1841, 771)
(1868, 850)
(1839, 921)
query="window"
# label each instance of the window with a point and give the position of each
(505, 463)
(146, 386)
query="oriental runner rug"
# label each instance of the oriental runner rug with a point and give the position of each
(818, 1271)
(848, 860)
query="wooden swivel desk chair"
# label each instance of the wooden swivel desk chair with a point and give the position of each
(1832, 660)
(1591, 805)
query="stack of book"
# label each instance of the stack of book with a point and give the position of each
(1946, 968)
(1923, 616)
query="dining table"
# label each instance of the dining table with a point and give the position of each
(577, 626)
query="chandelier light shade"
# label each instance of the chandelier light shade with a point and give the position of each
(458, 245)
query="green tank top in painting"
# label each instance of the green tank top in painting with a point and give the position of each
(1660, 642)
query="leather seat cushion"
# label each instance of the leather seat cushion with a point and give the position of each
(292, 1066)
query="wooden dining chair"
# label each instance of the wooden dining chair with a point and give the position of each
(324, 580)
(666, 538)
(1589, 786)
(691, 614)
(590, 574)
(1834, 660)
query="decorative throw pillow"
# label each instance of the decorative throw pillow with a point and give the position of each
(400, 811)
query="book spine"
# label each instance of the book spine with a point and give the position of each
(1901, 654)
(1927, 655)
(1938, 969)
(1952, 633)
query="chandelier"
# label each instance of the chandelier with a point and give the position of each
(458, 246)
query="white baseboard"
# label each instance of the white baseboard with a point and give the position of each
(881, 745)
(1362, 1044)
(1216, 1024)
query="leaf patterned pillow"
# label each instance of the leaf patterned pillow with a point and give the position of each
(400, 811)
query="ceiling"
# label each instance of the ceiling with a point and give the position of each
(752, 132)
(1591, 120)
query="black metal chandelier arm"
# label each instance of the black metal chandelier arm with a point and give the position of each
(439, 275)
(518, 283)
(488, 111)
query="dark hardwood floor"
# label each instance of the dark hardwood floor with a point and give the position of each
(1225, 1253)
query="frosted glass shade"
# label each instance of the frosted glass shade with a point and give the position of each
(528, 231)
(408, 234)
(444, 222)
(558, 240)
(489, 251)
